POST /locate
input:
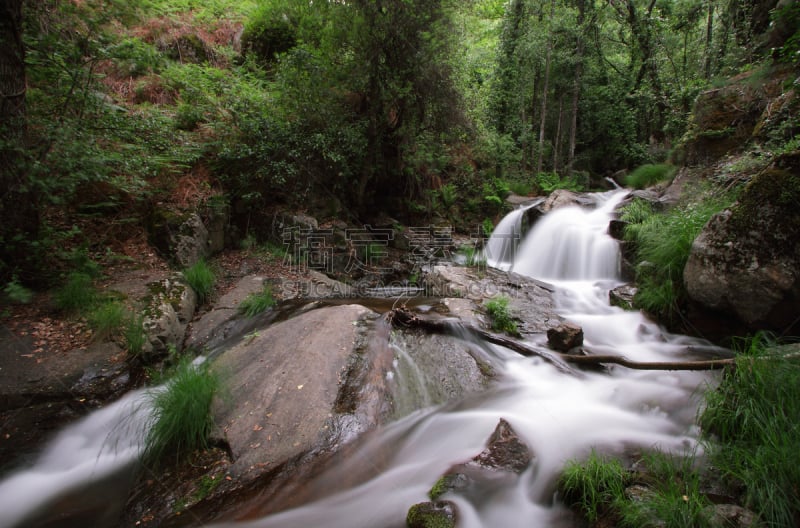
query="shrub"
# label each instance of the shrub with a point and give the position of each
(181, 422)
(500, 315)
(17, 293)
(76, 294)
(650, 174)
(548, 182)
(256, 303)
(201, 278)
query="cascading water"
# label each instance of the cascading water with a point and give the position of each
(558, 415)
(501, 249)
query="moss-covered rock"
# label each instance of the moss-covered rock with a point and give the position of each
(746, 261)
(439, 514)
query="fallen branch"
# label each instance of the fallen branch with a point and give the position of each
(403, 317)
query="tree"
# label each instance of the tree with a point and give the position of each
(20, 219)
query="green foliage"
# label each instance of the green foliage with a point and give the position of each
(473, 257)
(649, 174)
(448, 194)
(520, 187)
(135, 58)
(17, 293)
(487, 226)
(106, 319)
(269, 31)
(181, 422)
(76, 294)
(500, 315)
(663, 242)
(752, 421)
(201, 278)
(594, 487)
(256, 303)
(548, 182)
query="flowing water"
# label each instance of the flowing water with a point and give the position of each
(558, 415)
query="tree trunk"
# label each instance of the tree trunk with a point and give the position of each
(18, 211)
(576, 87)
(709, 39)
(557, 140)
(545, 88)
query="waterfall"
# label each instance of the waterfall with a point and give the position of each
(501, 248)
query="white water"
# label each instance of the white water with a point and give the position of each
(560, 416)
(104, 443)
(501, 248)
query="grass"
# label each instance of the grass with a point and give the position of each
(500, 315)
(134, 335)
(650, 174)
(663, 243)
(182, 421)
(753, 419)
(76, 294)
(667, 491)
(106, 319)
(201, 278)
(257, 303)
(593, 487)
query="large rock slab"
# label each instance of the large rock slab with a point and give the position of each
(746, 261)
(284, 384)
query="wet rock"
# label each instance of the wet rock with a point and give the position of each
(563, 197)
(746, 261)
(731, 516)
(530, 299)
(505, 451)
(439, 514)
(565, 337)
(622, 296)
(505, 457)
(616, 228)
(216, 324)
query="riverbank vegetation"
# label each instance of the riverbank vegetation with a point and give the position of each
(749, 428)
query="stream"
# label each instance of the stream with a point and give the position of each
(561, 417)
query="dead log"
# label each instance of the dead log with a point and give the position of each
(404, 317)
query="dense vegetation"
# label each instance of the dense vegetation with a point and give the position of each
(408, 105)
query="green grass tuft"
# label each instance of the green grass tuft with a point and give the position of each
(593, 487)
(76, 294)
(256, 303)
(647, 175)
(106, 319)
(134, 334)
(182, 421)
(201, 278)
(500, 315)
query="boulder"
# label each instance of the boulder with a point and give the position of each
(746, 261)
(622, 296)
(168, 308)
(565, 337)
(731, 516)
(284, 385)
(180, 237)
(562, 198)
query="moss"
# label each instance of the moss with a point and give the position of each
(431, 515)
